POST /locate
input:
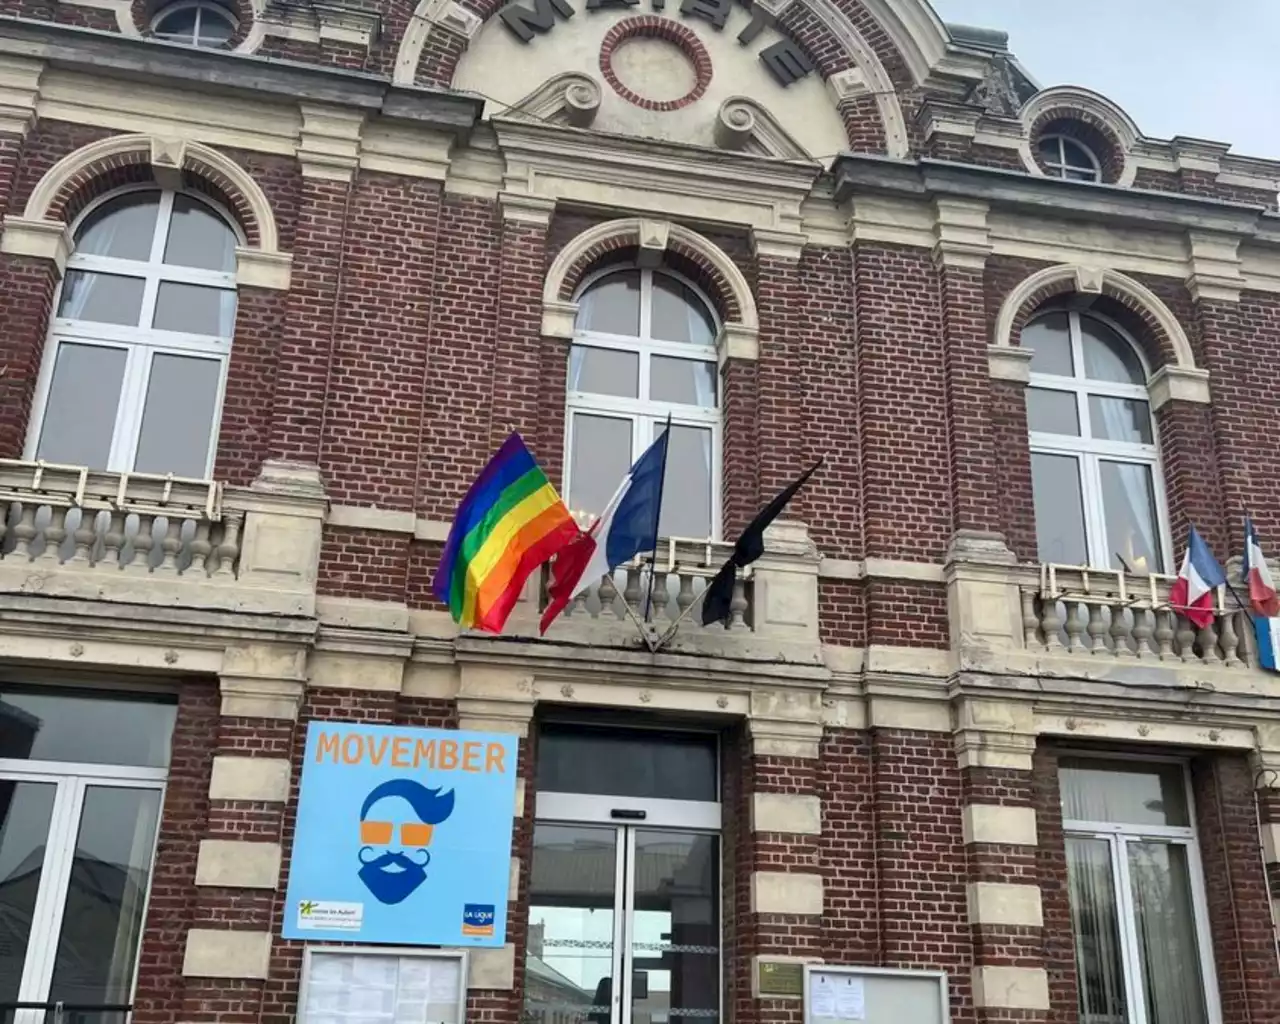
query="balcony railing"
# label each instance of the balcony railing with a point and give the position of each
(1118, 615)
(68, 531)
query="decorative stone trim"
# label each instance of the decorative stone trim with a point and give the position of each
(963, 240)
(1215, 267)
(1000, 825)
(19, 90)
(329, 145)
(492, 968)
(260, 779)
(269, 270)
(1011, 988)
(782, 892)
(649, 26)
(788, 813)
(238, 864)
(1011, 364)
(999, 903)
(1031, 293)
(1176, 383)
(227, 953)
(1099, 118)
(43, 239)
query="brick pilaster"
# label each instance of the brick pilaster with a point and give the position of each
(779, 380)
(994, 749)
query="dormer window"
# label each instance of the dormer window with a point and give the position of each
(195, 23)
(1068, 158)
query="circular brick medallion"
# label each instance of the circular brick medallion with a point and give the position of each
(634, 45)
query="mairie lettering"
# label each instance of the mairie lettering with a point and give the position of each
(784, 60)
(447, 755)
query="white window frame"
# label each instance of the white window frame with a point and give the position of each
(199, 6)
(1118, 835)
(1089, 452)
(71, 781)
(141, 344)
(647, 416)
(1061, 168)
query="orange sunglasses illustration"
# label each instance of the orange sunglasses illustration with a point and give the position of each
(392, 871)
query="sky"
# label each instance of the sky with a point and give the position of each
(1201, 68)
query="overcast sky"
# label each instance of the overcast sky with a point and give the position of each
(1203, 68)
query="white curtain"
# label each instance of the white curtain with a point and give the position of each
(1094, 925)
(1134, 518)
(1166, 933)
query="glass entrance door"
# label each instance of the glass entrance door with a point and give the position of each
(624, 925)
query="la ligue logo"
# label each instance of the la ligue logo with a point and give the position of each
(393, 854)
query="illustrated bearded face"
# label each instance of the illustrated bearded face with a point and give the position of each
(396, 824)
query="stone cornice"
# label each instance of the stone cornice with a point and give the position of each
(858, 175)
(111, 55)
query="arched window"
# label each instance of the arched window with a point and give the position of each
(1099, 499)
(1065, 157)
(645, 348)
(196, 23)
(134, 367)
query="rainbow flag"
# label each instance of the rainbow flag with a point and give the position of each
(511, 521)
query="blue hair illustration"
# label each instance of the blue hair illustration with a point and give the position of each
(430, 805)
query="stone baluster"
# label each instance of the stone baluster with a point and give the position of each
(55, 532)
(660, 597)
(1164, 634)
(201, 548)
(608, 592)
(25, 532)
(1052, 625)
(685, 595)
(1030, 624)
(1230, 640)
(229, 547)
(1097, 630)
(1120, 632)
(632, 593)
(578, 604)
(1186, 639)
(113, 540)
(84, 537)
(1142, 632)
(1075, 628)
(170, 547)
(738, 604)
(1209, 643)
(143, 541)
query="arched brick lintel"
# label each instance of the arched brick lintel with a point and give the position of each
(1165, 340)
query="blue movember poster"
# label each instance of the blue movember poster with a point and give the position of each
(403, 836)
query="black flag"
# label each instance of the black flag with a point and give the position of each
(747, 548)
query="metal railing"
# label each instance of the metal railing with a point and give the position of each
(66, 1013)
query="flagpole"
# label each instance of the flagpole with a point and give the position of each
(657, 519)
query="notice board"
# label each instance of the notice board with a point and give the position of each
(874, 995)
(367, 985)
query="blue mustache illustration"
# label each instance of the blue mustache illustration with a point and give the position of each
(392, 887)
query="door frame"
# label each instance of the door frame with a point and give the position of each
(70, 780)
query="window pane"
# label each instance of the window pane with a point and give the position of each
(215, 28)
(1122, 792)
(101, 298)
(1052, 412)
(198, 237)
(1095, 926)
(1060, 534)
(1120, 419)
(1173, 988)
(1129, 505)
(678, 314)
(178, 24)
(612, 305)
(177, 421)
(123, 228)
(1107, 356)
(687, 381)
(572, 893)
(1049, 149)
(80, 414)
(647, 763)
(25, 810)
(74, 726)
(604, 371)
(1075, 155)
(106, 895)
(600, 455)
(1079, 175)
(1050, 338)
(686, 490)
(194, 309)
(675, 929)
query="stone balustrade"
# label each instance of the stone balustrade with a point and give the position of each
(68, 531)
(1121, 615)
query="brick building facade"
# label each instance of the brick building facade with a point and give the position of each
(277, 278)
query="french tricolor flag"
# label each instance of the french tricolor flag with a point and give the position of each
(627, 526)
(1257, 577)
(1192, 592)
